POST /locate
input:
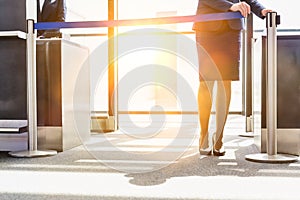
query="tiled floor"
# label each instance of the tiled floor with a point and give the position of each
(150, 164)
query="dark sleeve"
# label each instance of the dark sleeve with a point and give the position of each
(256, 7)
(221, 5)
(61, 11)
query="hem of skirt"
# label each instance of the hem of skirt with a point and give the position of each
(201, 80)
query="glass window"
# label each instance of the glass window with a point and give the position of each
(153, 94)
(145, 97)
(142, 99)
(91, 10)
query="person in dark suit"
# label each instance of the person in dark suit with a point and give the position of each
(218, 45)
(50, 11)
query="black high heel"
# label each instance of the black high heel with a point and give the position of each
(220, 152)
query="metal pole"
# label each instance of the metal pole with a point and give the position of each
(248, 109)
(31, 98)
(31, 87)
(247, 77)
(271, 156)
(271, 106)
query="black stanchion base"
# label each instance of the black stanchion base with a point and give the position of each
(265, 158)
(32, 154)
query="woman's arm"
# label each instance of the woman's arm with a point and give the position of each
(61, 11)
(246, 6)
(257, 8)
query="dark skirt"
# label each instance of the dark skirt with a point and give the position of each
(219, 54)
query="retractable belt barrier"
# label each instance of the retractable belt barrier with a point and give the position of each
(136, 22)
(31, 57)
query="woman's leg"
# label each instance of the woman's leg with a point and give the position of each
(204, 107)
(222, 109)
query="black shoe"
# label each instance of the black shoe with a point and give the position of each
(220, 152)
(205, 152)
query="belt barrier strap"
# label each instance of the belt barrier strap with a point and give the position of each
(136, 22)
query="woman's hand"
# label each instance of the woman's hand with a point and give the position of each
(243, 7)
(265, 11)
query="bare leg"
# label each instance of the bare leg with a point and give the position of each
(204, 107)
(222, 109)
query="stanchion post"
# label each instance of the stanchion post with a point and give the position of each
(247, 76)
(31, 87)
(271, 97)
(271, 156)
(31, 98)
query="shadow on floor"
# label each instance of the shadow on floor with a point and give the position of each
(197, 165)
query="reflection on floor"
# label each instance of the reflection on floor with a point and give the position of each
(157, 163)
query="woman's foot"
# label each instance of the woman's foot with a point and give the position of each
(205, 151)
(217, 152)
(220, 152)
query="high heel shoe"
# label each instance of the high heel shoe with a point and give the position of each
(219, 152)
(206, 151)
